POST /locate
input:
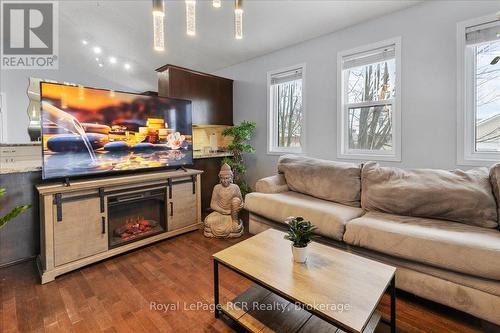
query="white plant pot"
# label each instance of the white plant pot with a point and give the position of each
(299, 254)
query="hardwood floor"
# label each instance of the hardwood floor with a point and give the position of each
(130, 293)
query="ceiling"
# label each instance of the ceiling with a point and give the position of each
(123, 29)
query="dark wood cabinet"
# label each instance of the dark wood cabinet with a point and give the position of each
(212, 95)
(210, 178)
(212, 98)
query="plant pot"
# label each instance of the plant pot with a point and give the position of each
(299, 254)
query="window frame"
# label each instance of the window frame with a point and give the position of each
(272, 147)
(343, 150)
(466, 99)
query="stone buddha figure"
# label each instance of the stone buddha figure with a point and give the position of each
(226, 203)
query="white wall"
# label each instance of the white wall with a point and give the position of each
(429, 88)
(14, 84)
(76, 65)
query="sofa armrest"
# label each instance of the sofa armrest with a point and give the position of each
(273, 184)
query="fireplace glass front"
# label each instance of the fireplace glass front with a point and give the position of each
(134, 216)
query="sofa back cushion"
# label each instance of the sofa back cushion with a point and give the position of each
(332, 181)
(461, 196)
(495, 184)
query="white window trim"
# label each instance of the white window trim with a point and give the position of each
(466, 106)
(342, 151)
(274, 150)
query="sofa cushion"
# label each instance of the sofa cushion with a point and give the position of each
(461, 196)
(495, 184)
(454, 246)
(329, 217)
(333, 181)
(272, 184)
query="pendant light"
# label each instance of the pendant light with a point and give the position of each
(158, 26)
(238, 19)
(191, 17)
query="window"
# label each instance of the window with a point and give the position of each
(479, 90)
(368, 96)
(286, 110)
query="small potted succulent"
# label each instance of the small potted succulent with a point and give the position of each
(300, 233)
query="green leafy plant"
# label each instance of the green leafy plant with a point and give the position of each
(300, 231)
(13, 213)
(241, 134)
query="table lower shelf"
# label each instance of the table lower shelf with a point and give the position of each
(259, 310)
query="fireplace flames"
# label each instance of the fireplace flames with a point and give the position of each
(135, 227)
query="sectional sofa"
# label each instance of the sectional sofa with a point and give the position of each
(439, 228)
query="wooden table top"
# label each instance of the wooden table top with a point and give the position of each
(329, 279)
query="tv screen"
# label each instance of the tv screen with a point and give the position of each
(89, 131)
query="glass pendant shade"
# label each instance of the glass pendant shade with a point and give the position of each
(158, 25)
(191, 17)
(238, 19)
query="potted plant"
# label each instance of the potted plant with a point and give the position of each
(13, 213)
(300, 233)
(241, 135)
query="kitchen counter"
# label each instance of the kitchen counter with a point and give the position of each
(18, 167)
(29, 144)
(20, 157)
(199, 154)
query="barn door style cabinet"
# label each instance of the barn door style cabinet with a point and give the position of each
(91, 220)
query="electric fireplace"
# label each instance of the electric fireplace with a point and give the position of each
(135, 215)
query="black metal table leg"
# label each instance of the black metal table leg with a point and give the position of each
(393, 304)
(216, 288)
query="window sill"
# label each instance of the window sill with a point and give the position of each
(371, 157)
(286, 151)
(478, 161)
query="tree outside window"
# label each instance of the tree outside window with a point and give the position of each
(487, 77)
(370, 127)
(289, 113)
(286, 110)
(367, 108)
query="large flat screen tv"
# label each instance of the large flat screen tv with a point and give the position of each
(87, 131)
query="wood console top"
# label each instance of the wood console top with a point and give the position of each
(93, 183)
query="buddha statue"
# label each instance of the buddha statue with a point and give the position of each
(226, 203)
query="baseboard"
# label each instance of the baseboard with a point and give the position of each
(15, 262)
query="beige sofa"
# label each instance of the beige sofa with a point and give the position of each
(439, 228)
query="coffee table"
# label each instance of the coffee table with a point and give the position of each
(333, 290)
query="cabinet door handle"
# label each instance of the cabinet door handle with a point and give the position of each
(171, 208)
(103, 230)
(58, 203)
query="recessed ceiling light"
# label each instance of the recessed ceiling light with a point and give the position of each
(101, 65)
(127, 66)
(84, 42)
(97, 59)
(97, 50)
(112, 60)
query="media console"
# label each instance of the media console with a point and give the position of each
(94, 219)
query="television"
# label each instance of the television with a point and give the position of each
(88, 131)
